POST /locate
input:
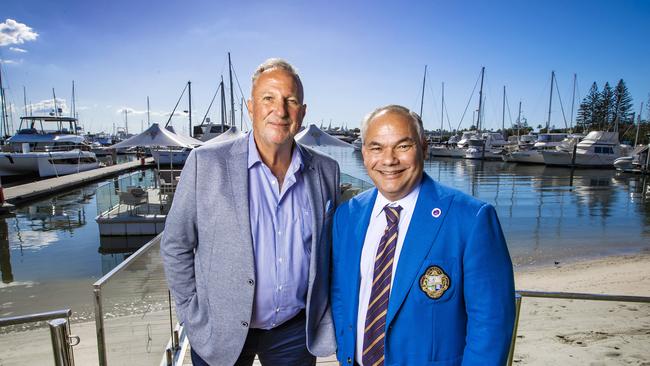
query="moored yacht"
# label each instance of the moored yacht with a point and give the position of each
(533, 155)
(598, 149)
(488, 146)
(46, 146)
(453, 148)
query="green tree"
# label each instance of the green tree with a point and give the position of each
(605, 107)
(622, 103)
(588, 106)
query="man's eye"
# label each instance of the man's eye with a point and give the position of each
(292, 102)
(267, 98)
(403, 148)
(375, 149)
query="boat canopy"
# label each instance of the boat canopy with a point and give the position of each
(20, 138)
(232, 133)
(601, 136)
(155, 136)
(314, 136)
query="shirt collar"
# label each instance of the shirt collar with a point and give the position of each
(407, 202)
(254, 156)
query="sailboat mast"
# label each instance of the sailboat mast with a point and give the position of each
(148, 117)
(519, 120)
(74, 105)
(573, 99)
(503, 112)
(223, 104)
(3, 107)
(550, 103)
(424, 82)
(480, 100)
(638, 125)
(232, 97)
(189, 103)
(442, 110)
(56, 110)
(25, 100)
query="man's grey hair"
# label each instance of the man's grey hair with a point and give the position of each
(393, 108)
(278, 63)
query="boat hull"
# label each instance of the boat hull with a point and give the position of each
(47, 164)
(524, 157)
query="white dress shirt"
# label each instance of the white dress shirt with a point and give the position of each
(374, 233)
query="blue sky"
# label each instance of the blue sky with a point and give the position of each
(353, 56)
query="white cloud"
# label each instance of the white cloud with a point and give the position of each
(10, 62)
(46, 106)
(16, 49)
(12, 32)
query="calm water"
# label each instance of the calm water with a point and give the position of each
(50, 253)
(548, 214)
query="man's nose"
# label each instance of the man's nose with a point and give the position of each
(280, 108)
(389, 157)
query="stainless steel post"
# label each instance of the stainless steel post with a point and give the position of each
(99, 326)
(511, 353)
(61, 347)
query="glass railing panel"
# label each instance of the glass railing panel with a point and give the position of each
(107, 193)
(26, 344)
(135, 309)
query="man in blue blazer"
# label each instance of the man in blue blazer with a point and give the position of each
(421, 272)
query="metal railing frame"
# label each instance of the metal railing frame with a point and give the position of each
(97, 296)
(59, 324)
(563, 296)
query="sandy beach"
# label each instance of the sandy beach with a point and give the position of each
(551, 332)
(574, 332)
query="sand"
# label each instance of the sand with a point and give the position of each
(576, 332)
(551, 332)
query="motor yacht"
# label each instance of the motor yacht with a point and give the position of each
(598, 149)
(46, 146)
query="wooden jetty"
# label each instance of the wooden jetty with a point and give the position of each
(30, 191)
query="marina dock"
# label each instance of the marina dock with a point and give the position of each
(30, 191)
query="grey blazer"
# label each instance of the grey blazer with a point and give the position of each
(207, 250)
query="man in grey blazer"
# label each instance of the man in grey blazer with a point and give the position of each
(247, 241)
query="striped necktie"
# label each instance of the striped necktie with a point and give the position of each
(373, 337)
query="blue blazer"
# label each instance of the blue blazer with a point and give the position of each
(471, 323)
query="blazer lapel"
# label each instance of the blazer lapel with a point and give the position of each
(313, 184)
(420, 236)
(238, 177)
(356, 240)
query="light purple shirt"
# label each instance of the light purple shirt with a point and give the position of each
(281, 228)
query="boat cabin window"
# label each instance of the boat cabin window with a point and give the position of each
(603, 150)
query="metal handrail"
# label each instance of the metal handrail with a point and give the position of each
(519, 295)
(59, 324)
(37, 317)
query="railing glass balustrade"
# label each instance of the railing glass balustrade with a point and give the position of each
(132, 302)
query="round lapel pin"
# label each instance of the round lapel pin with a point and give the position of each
(436, 212)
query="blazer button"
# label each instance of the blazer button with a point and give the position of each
(244, 324)
(251, 282)
(349, 360)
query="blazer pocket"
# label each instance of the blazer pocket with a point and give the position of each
(436, 281)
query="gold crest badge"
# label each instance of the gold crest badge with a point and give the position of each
(434, 282)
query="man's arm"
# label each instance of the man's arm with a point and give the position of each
(489, 292)
(180, 239)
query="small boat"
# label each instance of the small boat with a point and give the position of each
(46, 152)
(637, 162)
